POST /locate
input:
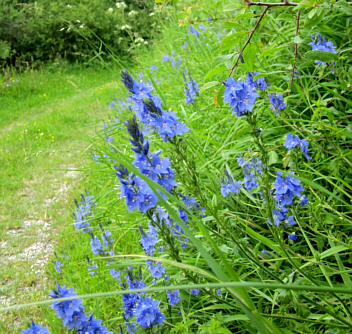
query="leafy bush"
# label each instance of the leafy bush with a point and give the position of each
(77, 30)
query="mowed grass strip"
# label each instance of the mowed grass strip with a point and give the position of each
(46, 118)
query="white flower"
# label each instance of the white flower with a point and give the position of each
(125, 27)
(69, 6)
(121, 5)
(110, 10)
(132, 13)
(81, 26)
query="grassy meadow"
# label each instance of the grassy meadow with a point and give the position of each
(252, 274)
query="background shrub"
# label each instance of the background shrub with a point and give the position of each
(77, 30)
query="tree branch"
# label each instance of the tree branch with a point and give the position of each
(271, 4)
(249, 39)
(296, 52)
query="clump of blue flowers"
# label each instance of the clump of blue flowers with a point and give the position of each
(319, 43)
(259, 83)
(191, 88)
(252, 169)
(193, 31)
(173, 297)
(240, 95)
(83, 210)
(286, 188)
(36, 329)
(228, 185)
(137, 193)
(72, 313)
(293, 141)
(277, 103)
(149, 110)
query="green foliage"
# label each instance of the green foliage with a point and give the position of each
(77, 30)
(293, 287)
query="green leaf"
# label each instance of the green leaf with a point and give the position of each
(321, 55)
(208, 85)
(231, 40)
(215, 71)
(220, 96)
(332, 251)
(273, 158)
(242, 16)
(312, 13)
(234, 6)
(249, 56)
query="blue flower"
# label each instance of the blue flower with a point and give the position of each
(303, 144)
(115, 274)
(319, 43)
(58, 266)
(228, 185)
(202, 27)
(36, 329)
(93, 326)
(291, 221)
(71, 311)
(130, 327)
(259, 83)
(91, 268)
(303, 200)
(173, 297)
(148, 313)
(251, 169)
(195, 292)
(277, 102)
(218, 292)
(286, 188)
(292, 236)
(82, 210)
(169, 58)
(149, 239)
(191, 88)
(96, 245)
(137, 192)
(107, 239)
(129, 304)
(240, 95)
(149, 110)
(293, 141)
(155, 268)
(193, 31)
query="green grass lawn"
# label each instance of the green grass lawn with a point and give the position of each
(46, 118)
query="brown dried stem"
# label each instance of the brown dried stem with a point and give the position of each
(248, 40)
(271, 4)
(296, 52)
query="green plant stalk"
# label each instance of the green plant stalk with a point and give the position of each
(251, 119)
(259, 285)
(241, 295)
